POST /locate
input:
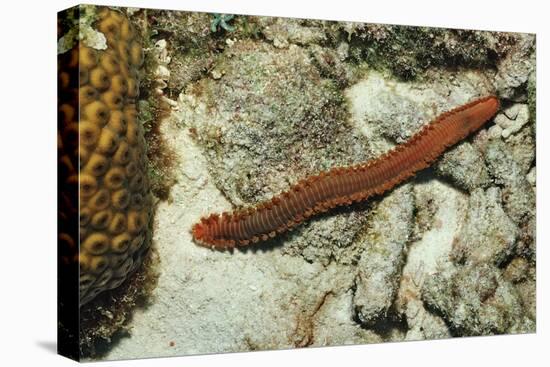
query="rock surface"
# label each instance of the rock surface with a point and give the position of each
(442, 255)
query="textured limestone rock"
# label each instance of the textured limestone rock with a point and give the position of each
(487, 235)
(267, 111)
(439, 210)
(379, 267)
(512, 119)
(465, 166)
(515, 68)
(506, 168)
(476, 300)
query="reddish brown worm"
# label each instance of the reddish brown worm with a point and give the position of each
(344, 185)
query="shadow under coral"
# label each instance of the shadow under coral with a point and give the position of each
(103, 321)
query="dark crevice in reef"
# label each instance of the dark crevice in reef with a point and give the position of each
(455, 332)
(384, 324)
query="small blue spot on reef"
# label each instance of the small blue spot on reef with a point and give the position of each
(220, 20)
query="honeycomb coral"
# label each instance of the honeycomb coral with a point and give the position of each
(102, 159)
